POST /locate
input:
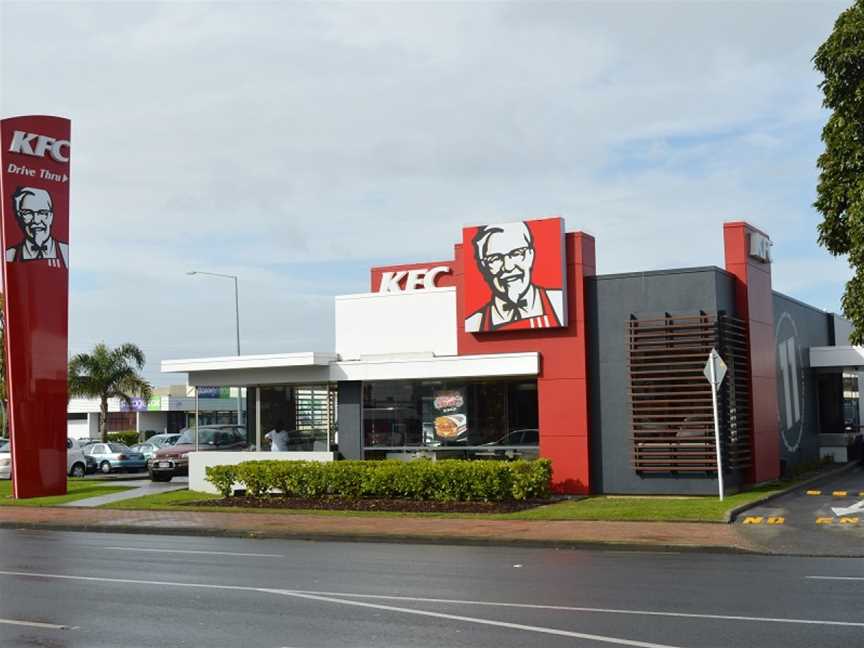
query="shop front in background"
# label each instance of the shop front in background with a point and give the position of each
(306, 412)
(450, 419)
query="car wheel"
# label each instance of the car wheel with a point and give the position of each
(159, 477)
(105, 467)
(78, 470)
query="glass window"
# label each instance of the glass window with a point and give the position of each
(479, 418)
(297, 418)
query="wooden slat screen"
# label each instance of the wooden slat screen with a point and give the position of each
(672, 422)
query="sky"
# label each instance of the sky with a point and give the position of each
(298, 144)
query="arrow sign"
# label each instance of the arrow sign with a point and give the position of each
(715, 377)
(855, 508)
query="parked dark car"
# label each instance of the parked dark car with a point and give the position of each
(171, 461)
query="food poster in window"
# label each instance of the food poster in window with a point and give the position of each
(445, 420)
(515, 276)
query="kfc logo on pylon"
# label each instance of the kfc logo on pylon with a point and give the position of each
(39, 145)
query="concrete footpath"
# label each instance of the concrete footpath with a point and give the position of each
(676, 536)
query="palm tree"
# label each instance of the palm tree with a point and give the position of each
(108, 373)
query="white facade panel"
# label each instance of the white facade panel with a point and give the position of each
(78, 429)
(420, 321)
(837, 356)
(478, 366)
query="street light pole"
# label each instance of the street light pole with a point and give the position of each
(236, 322)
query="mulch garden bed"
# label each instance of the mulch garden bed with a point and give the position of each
(399, 506)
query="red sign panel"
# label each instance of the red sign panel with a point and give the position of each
(34, 186)
(515, 276)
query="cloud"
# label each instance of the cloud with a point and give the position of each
(297, 144)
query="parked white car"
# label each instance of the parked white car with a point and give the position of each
(76, 464)
(5, 460)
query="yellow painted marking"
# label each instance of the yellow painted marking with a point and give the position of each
(753, 519)
(776, 520)
(814, 492)
(824, 520)
(861, 494)
(848, 520)
(840, 493)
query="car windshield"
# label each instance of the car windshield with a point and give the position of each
(206, 436)
(118, 447)
(4, 446)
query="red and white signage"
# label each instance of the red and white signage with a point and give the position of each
(34, 230)
(515, 276)
(412, 277)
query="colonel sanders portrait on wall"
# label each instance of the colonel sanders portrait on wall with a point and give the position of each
(505, 256)
(34, 213)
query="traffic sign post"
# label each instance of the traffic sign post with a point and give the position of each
(715, 371)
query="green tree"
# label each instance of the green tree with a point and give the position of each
(840, 193)
(108, 373)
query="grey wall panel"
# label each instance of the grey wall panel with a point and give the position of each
(611, 300)
(350, 414)
(797, 327)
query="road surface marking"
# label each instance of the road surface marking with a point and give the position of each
(814, 492)
(776, 520)
(840, 511)
(243, 588)
(456, 617)
(190, 551)
(824, 520)
(570, 608)
(37, 624)
(852, 578)
(849, 520)
(753, 519)
(840, 493)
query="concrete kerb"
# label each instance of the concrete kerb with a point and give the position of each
(731, 514)
(611, 545)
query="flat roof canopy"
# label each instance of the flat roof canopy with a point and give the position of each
(836, 357)
(314, 367)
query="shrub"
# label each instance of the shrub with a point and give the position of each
(126, 437)
(443, 481)
(223, 478)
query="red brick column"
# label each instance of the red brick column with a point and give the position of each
(562, 385)
(755, 304)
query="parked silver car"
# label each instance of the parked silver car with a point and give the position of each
(110, 457)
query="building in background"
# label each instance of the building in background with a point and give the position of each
(169, 409)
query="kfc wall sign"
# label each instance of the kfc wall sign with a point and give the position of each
(411, 279)
(34, 230)
(515, 276)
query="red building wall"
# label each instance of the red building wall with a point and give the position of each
(562, 385)
(755, 304)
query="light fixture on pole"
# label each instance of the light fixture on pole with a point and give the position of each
(236, 320)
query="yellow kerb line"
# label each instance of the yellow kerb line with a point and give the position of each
(840, 493)
(814, 492)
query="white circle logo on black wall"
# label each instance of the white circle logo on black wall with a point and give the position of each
(790, 379)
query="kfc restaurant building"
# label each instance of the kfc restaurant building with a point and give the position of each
(515, 347)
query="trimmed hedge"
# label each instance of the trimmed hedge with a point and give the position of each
(443, 481)
(127, 437)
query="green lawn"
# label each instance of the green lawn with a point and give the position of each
(663, 509)
(76, 490)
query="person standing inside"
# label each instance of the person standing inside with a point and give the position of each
(278, 438)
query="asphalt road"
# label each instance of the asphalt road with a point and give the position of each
(114, 590)
(822, 519)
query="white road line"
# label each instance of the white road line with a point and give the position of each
(190, 551)
(344, 595)
(37, 624)
(569, 608)
(849, 578)
(498, 624)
